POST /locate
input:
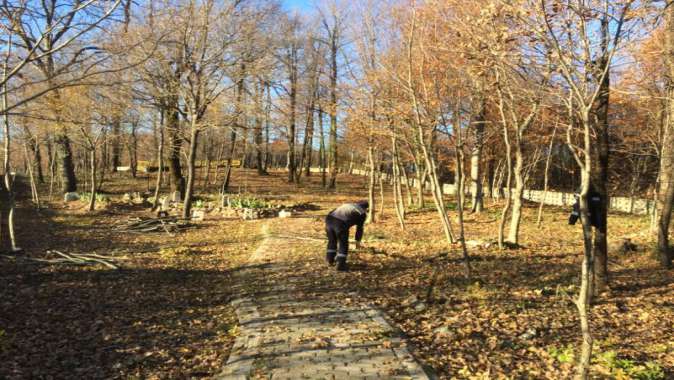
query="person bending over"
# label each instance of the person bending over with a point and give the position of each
(337, 225)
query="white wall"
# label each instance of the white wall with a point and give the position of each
(638, 206)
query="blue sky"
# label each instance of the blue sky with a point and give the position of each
(298, 4)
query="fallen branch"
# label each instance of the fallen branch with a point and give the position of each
(78, 259)
(168, 224)
(165, 228)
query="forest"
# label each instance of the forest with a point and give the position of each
(168, 166)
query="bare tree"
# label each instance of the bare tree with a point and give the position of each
(207, 33)
(48, 35)
(569, 30)
(290, 56)
(333, 26)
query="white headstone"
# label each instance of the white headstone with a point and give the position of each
(198, 215)
(165, 204)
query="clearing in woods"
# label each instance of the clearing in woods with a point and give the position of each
(226, 297)
(147, 151)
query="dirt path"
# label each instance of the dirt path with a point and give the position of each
(294, 329)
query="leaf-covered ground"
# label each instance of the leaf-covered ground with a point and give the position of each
(514, 316)
(166, 314)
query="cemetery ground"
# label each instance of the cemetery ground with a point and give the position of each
(167, 311)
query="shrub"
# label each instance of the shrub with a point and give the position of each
(86, 197)
(563, 354)
(629, 369)
(247, 202)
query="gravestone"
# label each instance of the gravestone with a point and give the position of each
(165, 204)
(198, 215)
(71, 197)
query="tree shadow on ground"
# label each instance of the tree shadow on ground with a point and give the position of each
(166, 317)
(101, 324)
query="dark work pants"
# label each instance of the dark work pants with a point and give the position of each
(338, 235)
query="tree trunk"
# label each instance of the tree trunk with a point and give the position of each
(92, 201)
(305, 161)
(52, 168)
(406, 182)
(371, 211)
(601, 171)
(51, 159)
(397, 190)
(102, 163)
(666, 174)
(116, 145)
(461, 186)
(9, 185)
(160, 161)
(133, 151)
(488, 191)
(33, 185)
(516, 215)
(664, 250)
(191, 158)
(546, 176)
(321, 149)
(309, 140)
(175, 146)
(293, 110)
(230, 157)
(218, 160)
(240, 117)
(333, 111)
(459, 157)
(437, 186)
(68, 179)
(583, 302)
(244, 142)
(37, 157)
(508, 192)
(206, 176)
(499, 174)
(420, 176)
(380, 179)
(259, 164)
(475, 159)
(267, 120)
(33, 142)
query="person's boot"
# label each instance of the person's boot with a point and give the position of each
(330, 258)
(341, 264)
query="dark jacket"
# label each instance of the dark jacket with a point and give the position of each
(351, 214)
(594, 209)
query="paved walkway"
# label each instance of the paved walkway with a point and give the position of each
(290, 329)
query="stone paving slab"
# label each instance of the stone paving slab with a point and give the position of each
(290, 331)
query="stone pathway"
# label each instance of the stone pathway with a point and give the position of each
(290, 329)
